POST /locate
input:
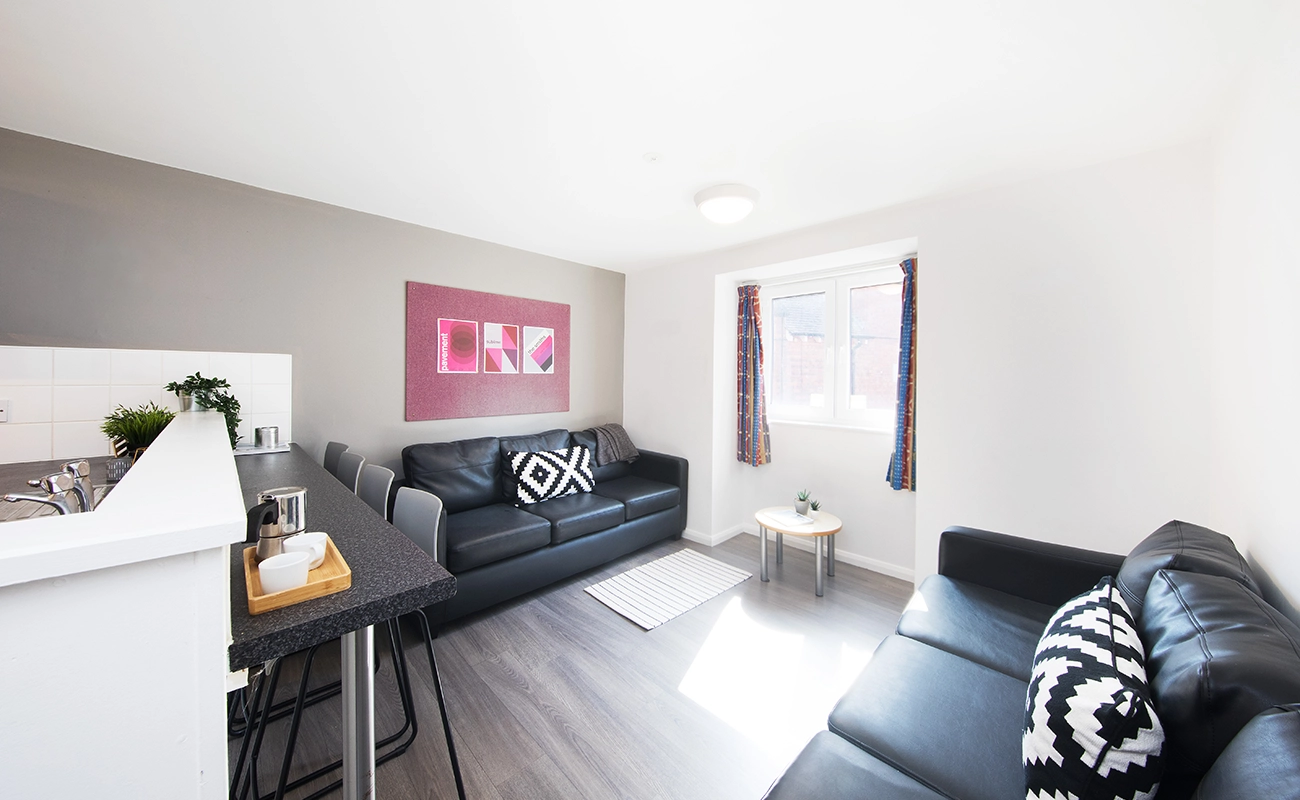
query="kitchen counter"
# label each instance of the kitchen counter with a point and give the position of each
(391, 575)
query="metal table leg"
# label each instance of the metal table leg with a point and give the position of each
(358, 653)
(780, 547)
(820, 551)
(762, 552)
(830, 556)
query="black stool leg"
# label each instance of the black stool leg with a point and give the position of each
(442, 705)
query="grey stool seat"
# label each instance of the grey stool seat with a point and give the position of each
(350, 465)
(373, 487)
(332, 452)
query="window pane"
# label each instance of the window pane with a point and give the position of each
(799, 350)
(875, 313)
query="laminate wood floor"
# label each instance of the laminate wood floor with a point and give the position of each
(556, 696)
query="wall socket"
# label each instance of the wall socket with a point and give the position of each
(4, 410)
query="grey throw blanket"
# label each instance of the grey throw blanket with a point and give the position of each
(613, 444)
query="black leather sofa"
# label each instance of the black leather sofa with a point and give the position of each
(498, 550)
(938, 712)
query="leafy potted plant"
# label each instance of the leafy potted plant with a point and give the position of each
(801, 502)
(198, 393)
(131, 430)
(814, 507)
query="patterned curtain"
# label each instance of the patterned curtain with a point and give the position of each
(753, 445)
(902, 467)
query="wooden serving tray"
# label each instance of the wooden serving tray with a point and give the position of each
(333, 575)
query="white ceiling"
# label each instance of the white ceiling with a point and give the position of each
(527, 123)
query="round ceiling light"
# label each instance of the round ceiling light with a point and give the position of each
(726, 204)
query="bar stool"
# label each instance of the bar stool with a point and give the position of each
(373, 487)
(332, 452)
(350, 465)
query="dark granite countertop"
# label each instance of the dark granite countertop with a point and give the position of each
(391, 575)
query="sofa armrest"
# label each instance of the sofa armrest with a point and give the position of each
(665, 469)
(1039, 571)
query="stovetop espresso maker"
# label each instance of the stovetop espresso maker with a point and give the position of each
(279, 514)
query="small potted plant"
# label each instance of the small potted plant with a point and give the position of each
(131, 430)
(814, 507)
(801, 502)
(198, 393)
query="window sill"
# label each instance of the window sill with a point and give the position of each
(839, 426)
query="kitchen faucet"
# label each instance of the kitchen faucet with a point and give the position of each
(56, 486)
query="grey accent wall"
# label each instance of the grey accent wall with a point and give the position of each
(97, 250)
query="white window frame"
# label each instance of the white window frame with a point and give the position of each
(837, 340)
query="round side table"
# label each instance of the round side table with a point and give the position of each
(822, 528)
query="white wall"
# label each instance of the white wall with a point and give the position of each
(58, 396)
(1257, 357)
(1063, 384)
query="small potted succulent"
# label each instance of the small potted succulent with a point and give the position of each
(131, 430)
(198, 393)
(814, 506)
(801, 502)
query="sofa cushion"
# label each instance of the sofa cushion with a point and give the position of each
(1262, 760)
(555, 439)
(639, 495)
(830, 768)
(1090, 730)
(1217, 655)
(464, 474)
(484, 535)
(609, 472)
(578, 515)
(950, 723)
(1184, 547)
(547, 474)
(983, 625)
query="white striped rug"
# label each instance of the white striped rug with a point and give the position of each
(667, 587)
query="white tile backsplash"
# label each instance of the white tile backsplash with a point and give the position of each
(132, 396)
(79, 440)
(177, 365)
(24, 442)
(74, 367)
(272, 368)
(59, 396)
(81, 403)
(27, 403)
(26, 366)
(137, 368)
(234, 367)
(269, 397)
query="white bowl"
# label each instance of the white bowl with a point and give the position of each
(311, 543)
(283, 572)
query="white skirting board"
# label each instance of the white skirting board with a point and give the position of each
(842, 556)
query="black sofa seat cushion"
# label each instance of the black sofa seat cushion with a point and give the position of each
(577, 515)
(1262, 760)
(983, 625)
(1217, 655)
(483, 535)
(639, 495)
(1186, 548)
(950, 723)
(830, 768)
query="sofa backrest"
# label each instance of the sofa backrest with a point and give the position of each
(609, 472)
(466, 474)
(1217, 656)
(1263, 760)
(1184, 547)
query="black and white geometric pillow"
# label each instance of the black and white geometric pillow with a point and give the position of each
(1090, 728)
(552, 473)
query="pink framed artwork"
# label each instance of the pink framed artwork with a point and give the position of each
(478, 354)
